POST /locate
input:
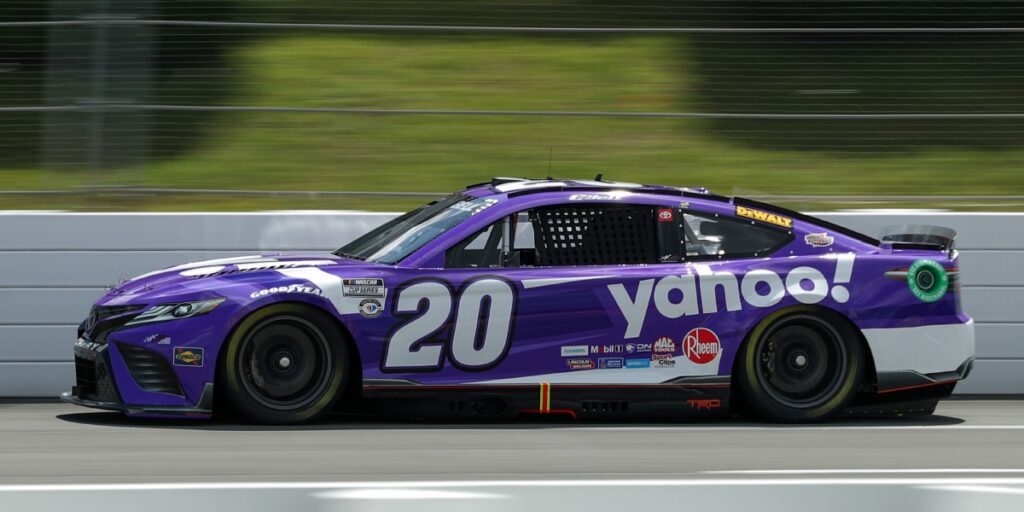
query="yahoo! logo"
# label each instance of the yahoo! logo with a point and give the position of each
(759, 288)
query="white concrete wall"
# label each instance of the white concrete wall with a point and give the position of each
(54, 265)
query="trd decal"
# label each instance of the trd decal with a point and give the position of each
(705, 404)
(473, 329)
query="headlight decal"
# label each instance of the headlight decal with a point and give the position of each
(175, 311)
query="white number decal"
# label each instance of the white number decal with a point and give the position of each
(402, 350)
(465, 352)
(410, 347)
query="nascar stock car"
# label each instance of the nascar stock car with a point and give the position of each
(586, 298)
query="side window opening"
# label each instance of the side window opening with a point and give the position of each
(564, 235)
(594, 234)
(613, 234)
(712, 237)
(479, 250)
(524, 245)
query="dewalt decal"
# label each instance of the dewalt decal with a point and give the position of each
(763, 216)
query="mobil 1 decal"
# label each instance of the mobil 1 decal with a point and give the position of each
(470, 326)
(675, 296)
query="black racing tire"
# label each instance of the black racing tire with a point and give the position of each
(285, 364)
(801, 366)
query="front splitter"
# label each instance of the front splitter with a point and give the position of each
(203, 410)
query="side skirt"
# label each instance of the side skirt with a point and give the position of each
(674, 400)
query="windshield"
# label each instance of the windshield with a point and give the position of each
(400, 237)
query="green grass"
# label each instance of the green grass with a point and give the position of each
(321, 151)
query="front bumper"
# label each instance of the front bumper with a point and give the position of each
(203, 410)
(93, 379)
(101, 376)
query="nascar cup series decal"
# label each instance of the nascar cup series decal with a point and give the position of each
(363, 287)
(760, 288)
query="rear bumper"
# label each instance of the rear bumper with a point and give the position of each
(925, 350)
(905, 380)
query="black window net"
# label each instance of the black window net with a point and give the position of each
(594, 235)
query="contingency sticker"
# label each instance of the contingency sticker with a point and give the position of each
(363, 287)
(188, 356)
(818, 239)
(371, 308)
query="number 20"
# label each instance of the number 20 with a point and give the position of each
(418, 344)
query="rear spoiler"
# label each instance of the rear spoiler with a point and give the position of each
(931, 238)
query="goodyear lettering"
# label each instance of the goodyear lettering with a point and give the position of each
(292, 288)
(763, 216)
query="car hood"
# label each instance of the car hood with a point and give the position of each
(195, 277)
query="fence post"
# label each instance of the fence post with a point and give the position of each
(98, 81)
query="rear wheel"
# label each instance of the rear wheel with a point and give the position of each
(285, 364)
(802, 366)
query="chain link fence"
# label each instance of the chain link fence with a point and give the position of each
(853, 103)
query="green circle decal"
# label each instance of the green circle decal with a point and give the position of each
(927, 280)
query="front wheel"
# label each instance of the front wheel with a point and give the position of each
(803, 366)
(285, 364)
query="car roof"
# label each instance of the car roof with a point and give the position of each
(518, 187)
(515, 187)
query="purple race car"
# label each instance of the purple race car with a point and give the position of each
(587, 298)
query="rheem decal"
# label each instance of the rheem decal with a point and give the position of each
(701, 345)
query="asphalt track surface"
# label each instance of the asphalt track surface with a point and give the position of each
(63, 444)
(970, 456)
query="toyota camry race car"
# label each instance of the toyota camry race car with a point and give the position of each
(586, 298)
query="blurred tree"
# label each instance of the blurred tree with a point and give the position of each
(852, 73)
(22, 67)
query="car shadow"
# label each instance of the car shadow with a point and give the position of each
(342, 421)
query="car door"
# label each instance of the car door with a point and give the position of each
(553, 294)
(662, 315)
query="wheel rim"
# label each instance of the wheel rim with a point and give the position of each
(283, 363)
(802, 362)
